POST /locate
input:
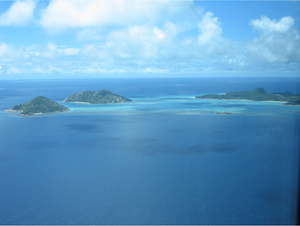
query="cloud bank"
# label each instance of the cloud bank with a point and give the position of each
(144, 37)
(19, 14)
(279, 41)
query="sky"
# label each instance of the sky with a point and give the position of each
(148, 38)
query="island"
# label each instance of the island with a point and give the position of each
(259, 94)
(293, 103)
(100, 97)
(228, 113)
(39, 105)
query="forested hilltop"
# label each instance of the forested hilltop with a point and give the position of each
(100, 97)
(259, 94)
(39, 105)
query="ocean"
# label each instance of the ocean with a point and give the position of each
(164, 158)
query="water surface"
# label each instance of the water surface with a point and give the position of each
(165, 158)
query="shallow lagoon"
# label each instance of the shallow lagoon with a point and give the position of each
(182, 105)
(165, 158)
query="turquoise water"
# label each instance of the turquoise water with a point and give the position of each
(165, 158)
(182, 105)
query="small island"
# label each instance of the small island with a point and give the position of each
(293, 103)
(227, 113)
(100, 97)
(39, 105)
(259, 94)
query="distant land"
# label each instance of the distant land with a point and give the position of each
(100, 97)
(296, 102)
(39, 105)
(259, 94)
(228, 113)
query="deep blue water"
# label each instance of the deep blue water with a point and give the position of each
(165, 158)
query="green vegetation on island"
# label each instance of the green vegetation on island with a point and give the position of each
(39, 105)
(100, 97)
(259, 94)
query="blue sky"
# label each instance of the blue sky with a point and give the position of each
(142, 38)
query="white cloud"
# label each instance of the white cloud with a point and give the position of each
(279, 41)
(264, 25)
(50, 51)
(9, 52)
(173, 38)
(155, 70)
(210, 29)
(4, 49)
(96, 51)
(13, 71)
(158, 33)
(87, 13)
(49, 69)
(69, 51)
(90, 70)
(60, 15)
(19, 14)
(156, 43)
(102, 71)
